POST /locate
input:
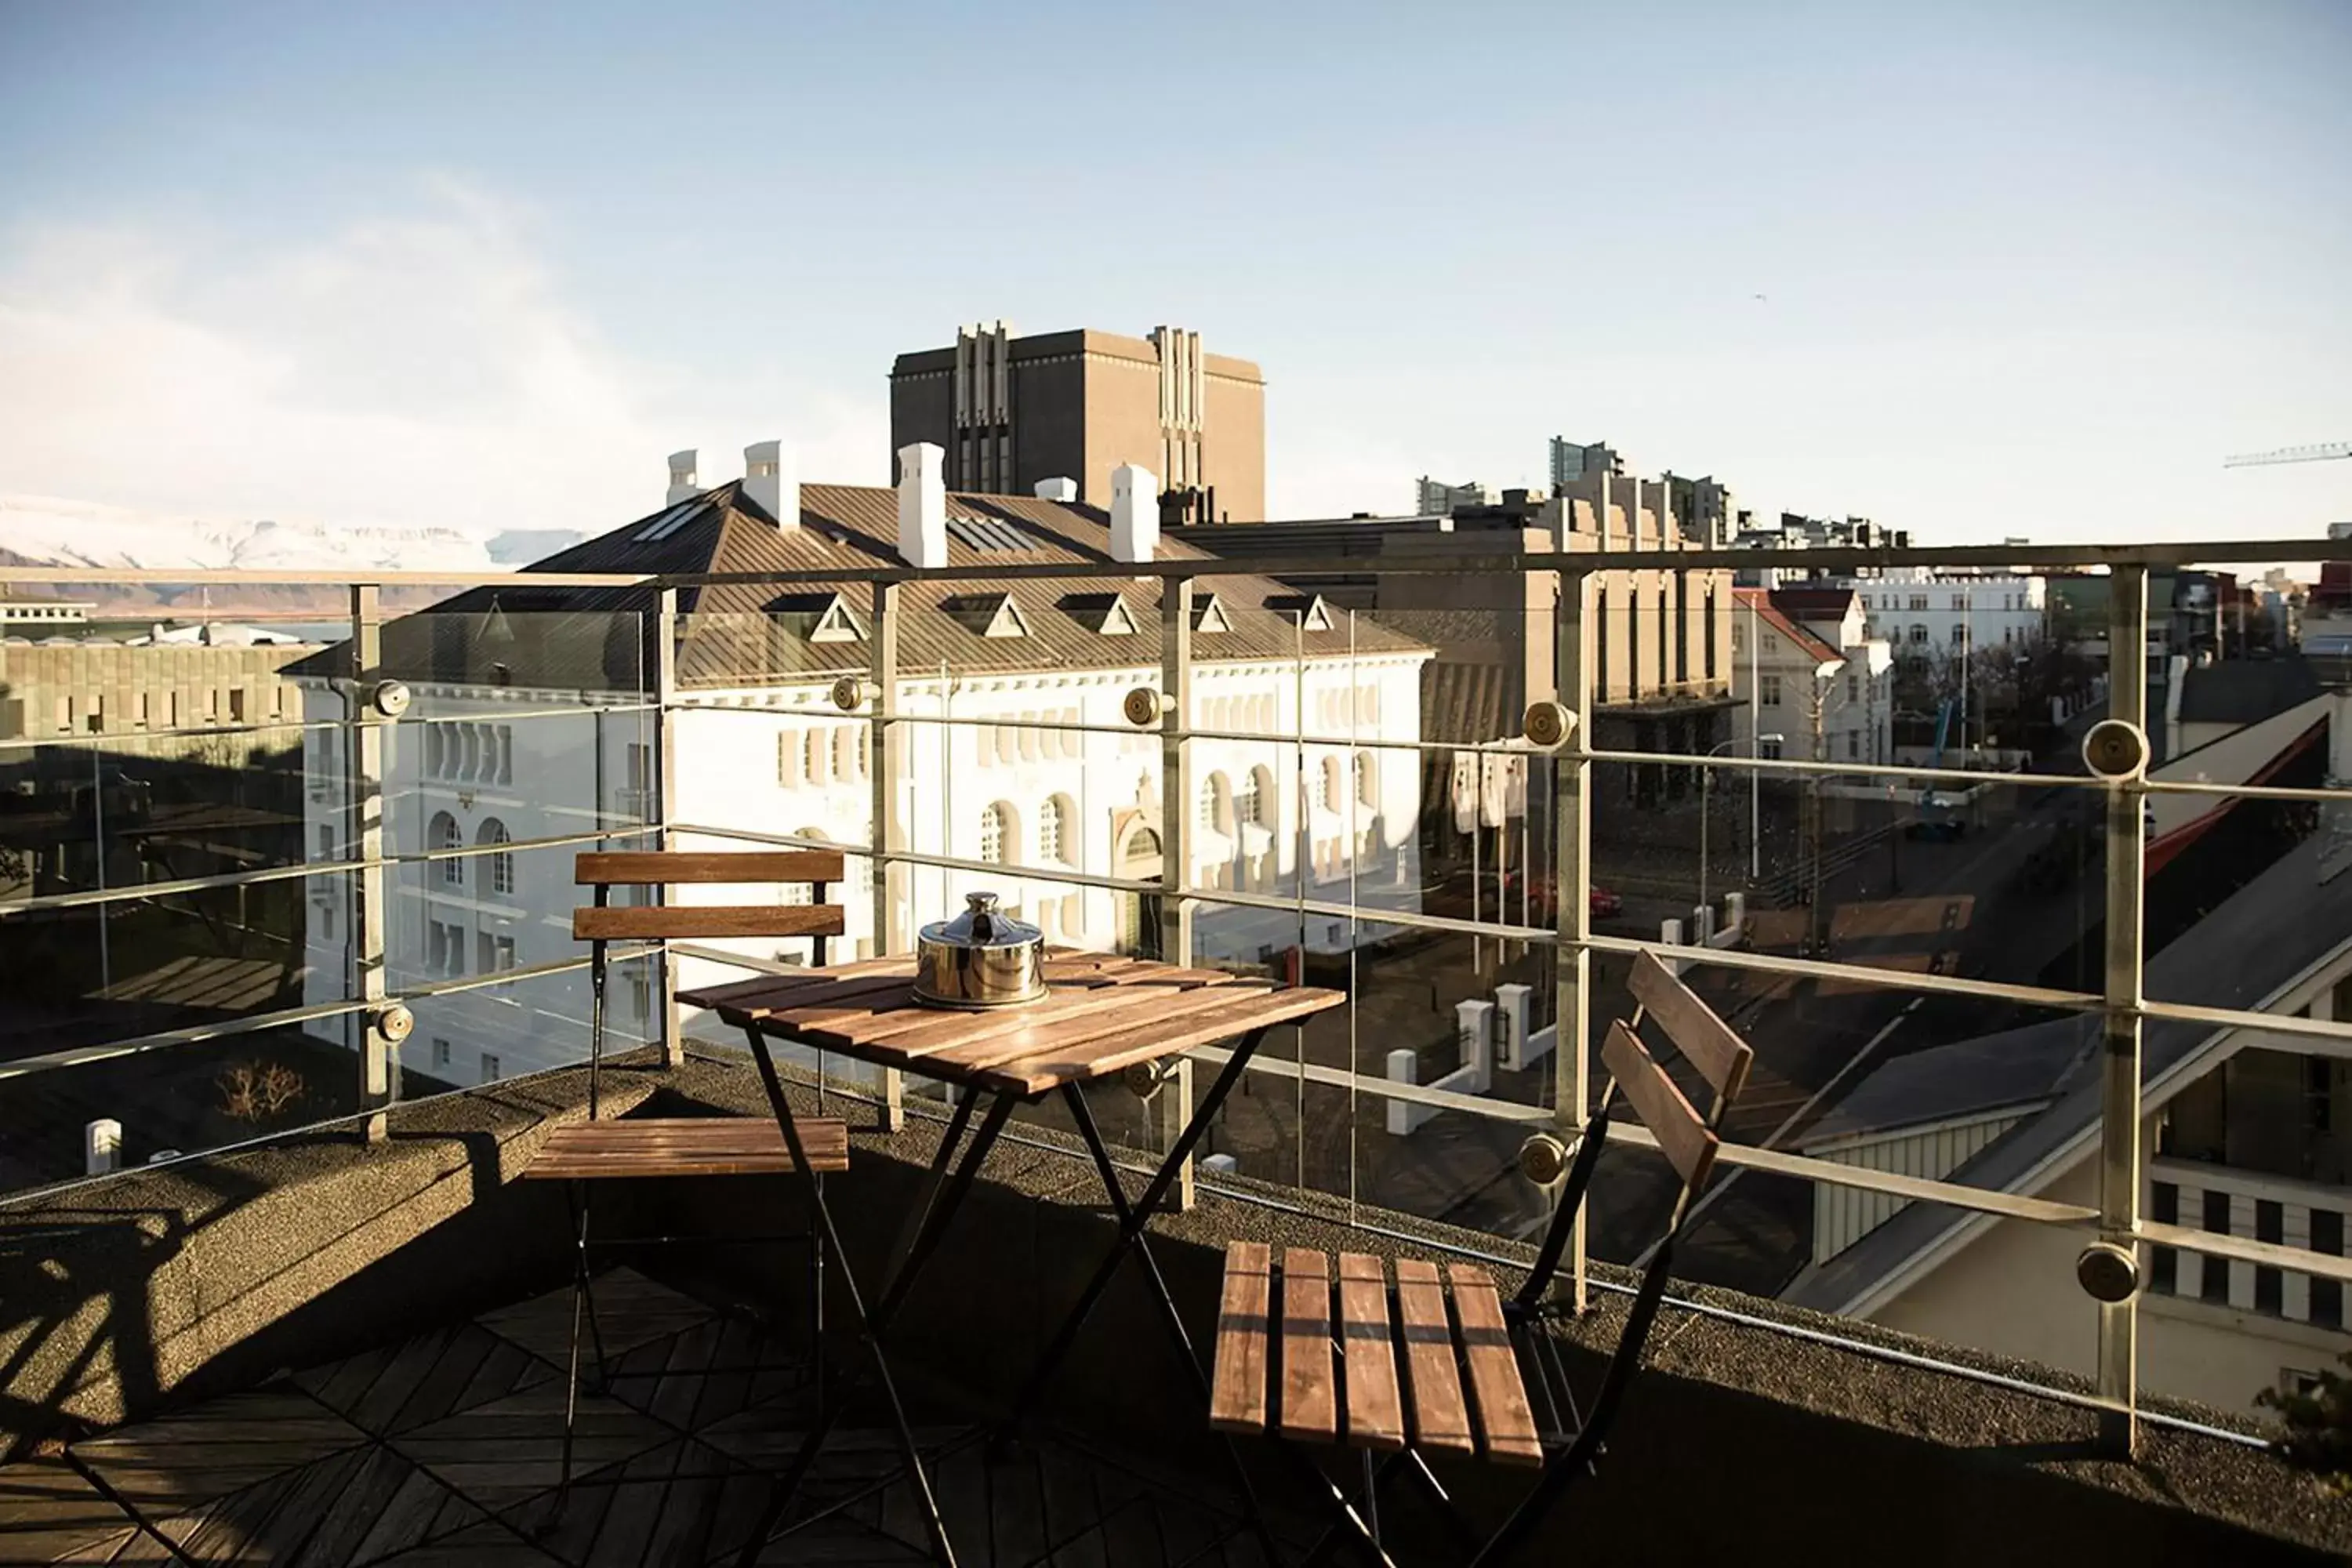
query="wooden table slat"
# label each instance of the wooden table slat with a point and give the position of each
(917, 1031)
(1097, 1016)
(766, 984)
(1311, 1399)
(1439, 1419)
(1375, 1404)
(1495, 1387)
(865, 992)
(1238, 1401)
(1103, 1055)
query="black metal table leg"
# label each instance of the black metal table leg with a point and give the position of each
(781, 1495)
(1133, 1220)
(1132, 1224)
(946, 1194)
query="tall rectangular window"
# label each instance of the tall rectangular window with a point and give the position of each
(2217, 1269)
(2327, 1295)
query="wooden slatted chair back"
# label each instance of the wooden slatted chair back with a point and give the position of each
(606, 869)
(603, 922)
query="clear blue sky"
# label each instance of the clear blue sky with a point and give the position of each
(2028, 269)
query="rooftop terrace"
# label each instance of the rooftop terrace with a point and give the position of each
(328, 990)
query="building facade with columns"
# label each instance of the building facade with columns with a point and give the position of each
(1011, 412)
(1012, 755)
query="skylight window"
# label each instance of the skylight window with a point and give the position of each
(669, 523)
(992, 534)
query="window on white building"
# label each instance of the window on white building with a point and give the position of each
(816, 758)
(788, 760)
(1852, 688)
(498, 952)
(1771, 750)
(1365, 792)
(1334, 799)
(1249, 797)
(1853, 745)
(1919, 601)
(1959, 602)
(995, 831)
(1770, 693)
(491, 1071)
(1053, 830)
(1213, 803)
(848, 752)
(1959, 635)
(444, 834)
(440, 1055)
(499, 873)
(1919, 634)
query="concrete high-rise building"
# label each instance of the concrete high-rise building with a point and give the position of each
(1435, 498)
(1012, 412)
(1702, 508)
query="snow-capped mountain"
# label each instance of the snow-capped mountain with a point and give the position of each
(51, 532)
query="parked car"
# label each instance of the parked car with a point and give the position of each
(1936, 821)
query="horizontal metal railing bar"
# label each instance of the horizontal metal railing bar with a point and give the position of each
(1467, 561)
(2235, 1018)
(1880, 979)
(2245, 1250)
(1472, 561)
(2247, 792)
(255, 1023)
(131, 891)
(240, 576)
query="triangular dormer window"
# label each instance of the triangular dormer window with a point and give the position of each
(1209, 615)
(837, 624)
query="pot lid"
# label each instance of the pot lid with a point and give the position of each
(983, 924)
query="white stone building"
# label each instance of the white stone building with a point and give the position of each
(1922, 611)
(760, 747)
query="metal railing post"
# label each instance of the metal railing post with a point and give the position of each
(885, 764)
(1573, 632)
(1174, 1100)
(2119, 1129)
(665, 783)
(364, 725)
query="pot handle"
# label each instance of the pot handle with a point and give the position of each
(983, 907)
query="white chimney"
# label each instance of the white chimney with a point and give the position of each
(923, 504)
(1134, 513)
(771, 476)
(681, 477)
(1057, 489)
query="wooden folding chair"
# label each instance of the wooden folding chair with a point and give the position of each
(1311, 1364)
(649, 1147)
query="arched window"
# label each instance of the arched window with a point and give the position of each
(444, 834)
(1213, 791)
(995, 833)
(816, 758)
(499, 876)
(1365, 792)
(1332, 799)
(1053, 830)
(1247, 803)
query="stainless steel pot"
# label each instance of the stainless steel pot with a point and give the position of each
(983, 958)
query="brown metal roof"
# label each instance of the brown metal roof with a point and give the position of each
(758, 633)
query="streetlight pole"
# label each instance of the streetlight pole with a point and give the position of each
(1705, 813)
(1755, 746)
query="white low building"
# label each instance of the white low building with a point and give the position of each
(760, 747)
(1804, 670)
(2243, 1135)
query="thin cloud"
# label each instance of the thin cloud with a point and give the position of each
(419, 368)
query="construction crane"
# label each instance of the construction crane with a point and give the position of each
(2320, 453)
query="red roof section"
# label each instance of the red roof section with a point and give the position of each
(1762, 603)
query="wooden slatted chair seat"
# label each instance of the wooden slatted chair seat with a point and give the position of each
(1298, 1361)
(1320, 1354)
(683, 1146)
